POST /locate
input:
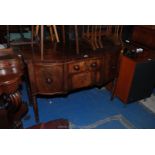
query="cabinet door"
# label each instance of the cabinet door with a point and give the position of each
(135, 80)
(80, 80)
(49, 78)
(95, 67)
(125, 77)
(143, 81)
(79, 75)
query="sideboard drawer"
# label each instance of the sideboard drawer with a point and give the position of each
(93, 64)
(49, 78)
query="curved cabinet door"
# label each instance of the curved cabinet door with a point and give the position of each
(49, 78)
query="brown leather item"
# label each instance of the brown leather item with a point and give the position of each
(55, 124)
(136, 77)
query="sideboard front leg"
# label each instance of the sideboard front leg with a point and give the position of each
(35, 108)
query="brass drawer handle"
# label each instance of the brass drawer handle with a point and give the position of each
(94, 65)
(76, 67)
(49, 80)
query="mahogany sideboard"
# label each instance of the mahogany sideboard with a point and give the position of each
(62, 71)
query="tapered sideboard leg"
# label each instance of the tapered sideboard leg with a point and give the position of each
(35, 108)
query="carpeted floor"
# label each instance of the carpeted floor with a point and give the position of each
(91, 108)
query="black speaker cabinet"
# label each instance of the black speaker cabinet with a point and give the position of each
(136, 78)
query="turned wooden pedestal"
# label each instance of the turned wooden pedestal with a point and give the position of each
(12, 108)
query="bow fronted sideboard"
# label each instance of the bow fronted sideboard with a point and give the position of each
(63, 71)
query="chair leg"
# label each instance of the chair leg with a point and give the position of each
(77, 39)
(51, 33)
(63, 34)
(32, 32)
(56, 33)
(37, 30)
(100, 41)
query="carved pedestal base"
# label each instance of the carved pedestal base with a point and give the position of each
(12, 111)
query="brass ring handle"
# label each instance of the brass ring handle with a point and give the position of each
(76, 67)
(49, 80)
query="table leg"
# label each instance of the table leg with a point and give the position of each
(35, 108)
